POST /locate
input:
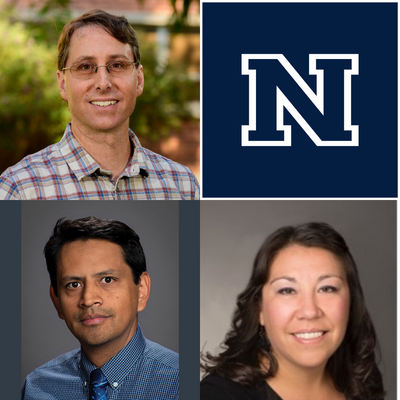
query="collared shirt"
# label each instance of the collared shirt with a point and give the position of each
(142, 370)
(65, 171)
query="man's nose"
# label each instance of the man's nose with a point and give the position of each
(102, 78)
(91, 295)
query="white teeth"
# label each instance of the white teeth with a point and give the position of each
(309, 335)
(103, 103)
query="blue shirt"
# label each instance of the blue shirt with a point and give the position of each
(142, 370)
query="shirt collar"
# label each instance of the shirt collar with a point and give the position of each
(138, 160)
(117, 368)
(82, 163)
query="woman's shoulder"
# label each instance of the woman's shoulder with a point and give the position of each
(215, 387)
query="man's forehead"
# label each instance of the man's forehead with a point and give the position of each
(91, 247)
(86, 245)
(87, 30)
(98, 254)
(106, 43)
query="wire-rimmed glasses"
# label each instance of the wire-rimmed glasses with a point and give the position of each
(86, 70)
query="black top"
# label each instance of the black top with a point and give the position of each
(214, 387)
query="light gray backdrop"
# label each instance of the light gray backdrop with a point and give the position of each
(44, 335)
(233, 231)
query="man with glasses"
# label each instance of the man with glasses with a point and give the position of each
(99, 157)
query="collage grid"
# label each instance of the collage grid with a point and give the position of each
(201, 252)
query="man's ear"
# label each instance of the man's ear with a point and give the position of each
(144, 291)
(140, 81)
(61, 85)
(56, 302)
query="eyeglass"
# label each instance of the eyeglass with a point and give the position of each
(85, 70)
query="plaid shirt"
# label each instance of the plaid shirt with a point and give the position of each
(65, 171)
(142, 370)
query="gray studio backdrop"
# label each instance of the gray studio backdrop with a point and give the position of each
(231, 233)
(44, 335)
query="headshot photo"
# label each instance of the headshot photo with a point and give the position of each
(298, 300)
(100, 77)
(100, 301)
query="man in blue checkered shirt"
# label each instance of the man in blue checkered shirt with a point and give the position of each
(99, 284)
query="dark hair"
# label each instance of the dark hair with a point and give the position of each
(118, 27)
(66, 231)
(352, 367)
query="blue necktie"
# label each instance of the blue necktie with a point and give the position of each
(98, 385)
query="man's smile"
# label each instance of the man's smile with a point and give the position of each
(103, 103)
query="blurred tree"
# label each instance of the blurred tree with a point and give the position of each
(32, 113)
(179, 18)
(164, 102)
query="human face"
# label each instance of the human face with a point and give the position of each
(305, 306)
(97, 296)
(92, 43)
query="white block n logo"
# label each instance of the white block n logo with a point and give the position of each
(342, 111)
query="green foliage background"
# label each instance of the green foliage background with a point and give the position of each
(32, 113)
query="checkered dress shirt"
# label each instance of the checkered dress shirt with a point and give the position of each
(142, 370)
(65, 171)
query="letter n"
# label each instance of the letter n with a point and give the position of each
(339, 112)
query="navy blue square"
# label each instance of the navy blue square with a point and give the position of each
(339, 161)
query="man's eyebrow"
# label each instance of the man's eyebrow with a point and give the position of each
(70, 278)
(119, 56)
(106, 272)
(110, 57)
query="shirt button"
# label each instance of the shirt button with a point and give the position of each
(115, 384)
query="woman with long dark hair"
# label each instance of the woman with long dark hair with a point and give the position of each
(301, 329)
